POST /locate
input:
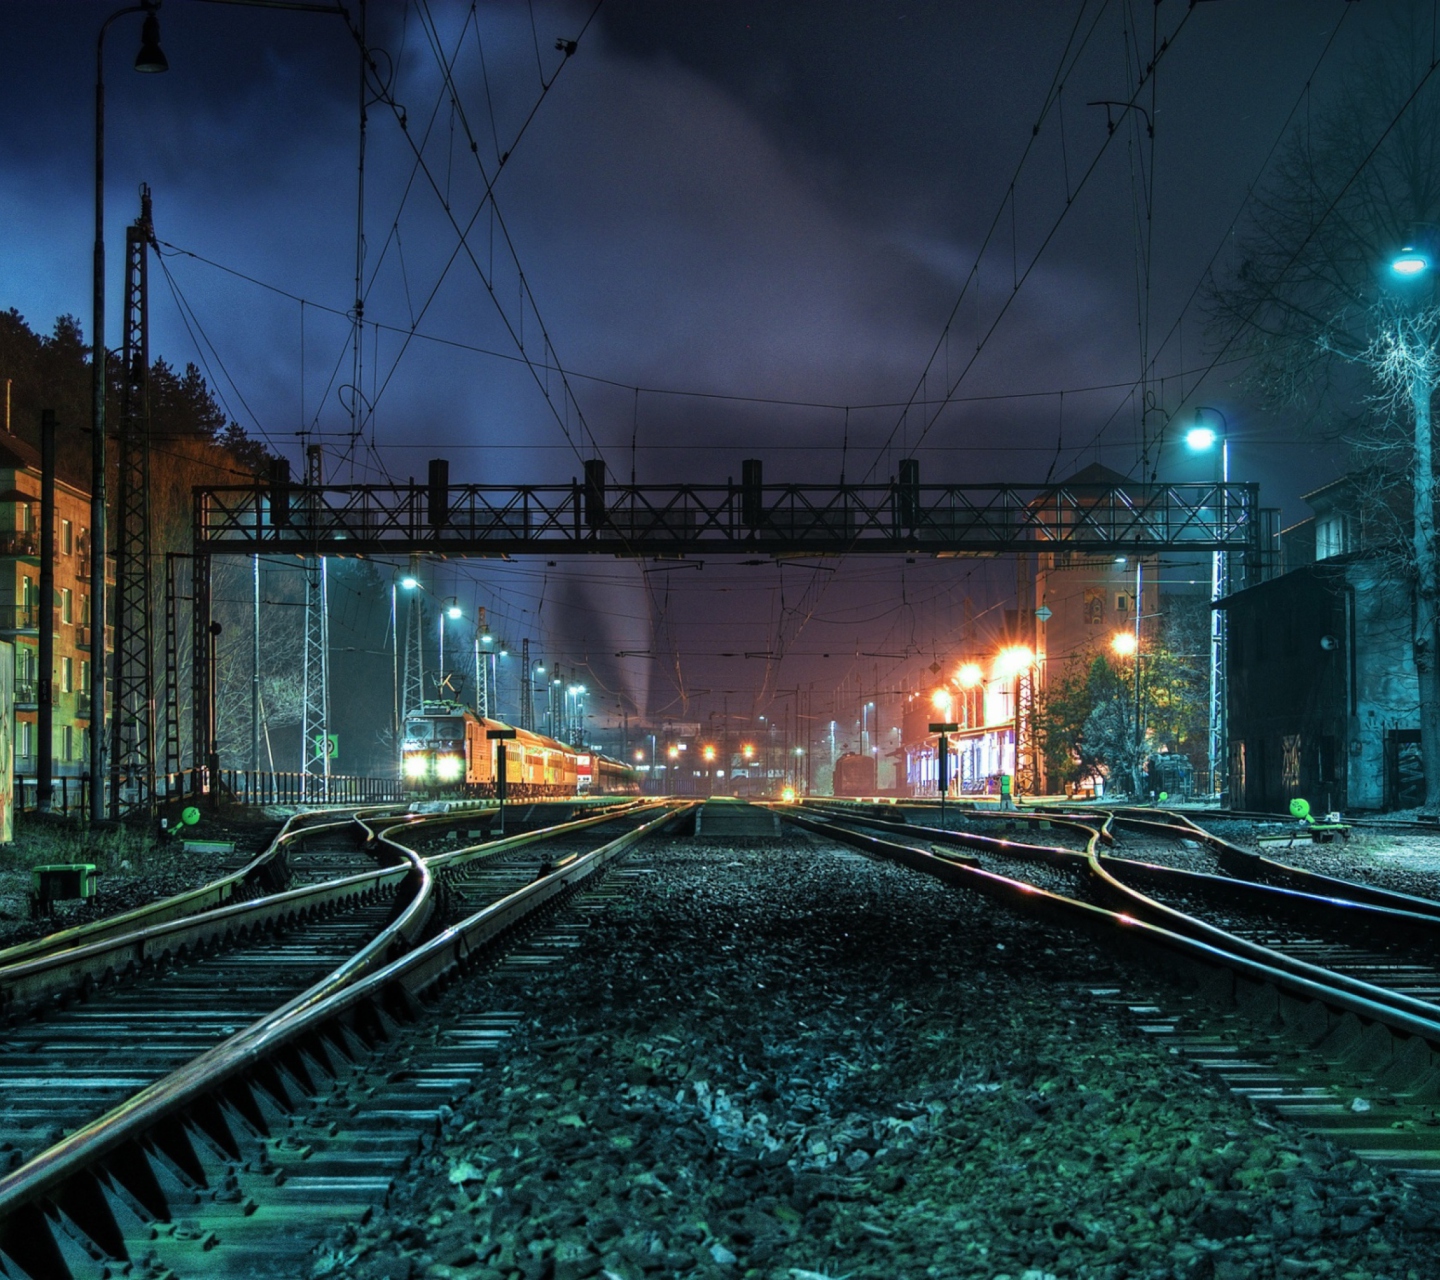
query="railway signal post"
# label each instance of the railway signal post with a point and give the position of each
(500, 736)
(943, 775)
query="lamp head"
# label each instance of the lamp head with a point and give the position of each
(1200, 438)
(454, 611)
(151, 58)
(1123, 642)
(1410, 262)
(409, 583)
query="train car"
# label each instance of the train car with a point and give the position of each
(445, 750)
(611, 777)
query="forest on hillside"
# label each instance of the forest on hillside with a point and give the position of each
(193, 442)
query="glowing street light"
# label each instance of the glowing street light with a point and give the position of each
(709, 753)
(1123, 642)
(941, 700)
(970, 675)
(409, 583)
(1201, 439)
(1410, 262)
(1014, 660)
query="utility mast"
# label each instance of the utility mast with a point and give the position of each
(412, 687)
(315, 726)
(527, 688)
(132, 745)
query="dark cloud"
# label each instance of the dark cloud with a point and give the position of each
(768, 200)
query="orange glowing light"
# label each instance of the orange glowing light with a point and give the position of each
(940, 700)
(970, 675)
(709, 753)
(1014, 660)
(1123, 642)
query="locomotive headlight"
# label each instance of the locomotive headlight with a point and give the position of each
(448, 768)
(415, 765)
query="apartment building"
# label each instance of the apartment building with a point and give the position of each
(21, 613)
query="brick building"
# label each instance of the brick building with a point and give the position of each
(21, 612)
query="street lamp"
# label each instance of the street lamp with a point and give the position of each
(1201, 439)
(1410, 262)
(1014, 663)
(150, 60)
(450, 610)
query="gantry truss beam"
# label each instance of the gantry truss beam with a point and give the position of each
(747, 519)
(667, 520)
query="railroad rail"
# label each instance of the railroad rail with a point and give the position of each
(116, 1167)
(1339, 1000)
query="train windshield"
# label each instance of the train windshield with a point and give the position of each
(435, 727)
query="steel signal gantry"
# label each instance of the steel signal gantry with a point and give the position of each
(592, 517)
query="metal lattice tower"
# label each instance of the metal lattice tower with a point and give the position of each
(173, 687)
(315, 715)
(527, 688)
(1026, 779)
(132, 747)
(412, 686)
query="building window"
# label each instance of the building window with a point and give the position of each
(84, 675)
(67, 742)
(25, 738)
(67, 675)
(67, 605)
(1122, 602)
(84, 608)
(27, 601)
(67, 538)
(1329, 537)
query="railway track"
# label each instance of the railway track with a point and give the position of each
(215, 1104)
(1311, 994)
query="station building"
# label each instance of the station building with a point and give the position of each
(22, 611)
(1323, 697)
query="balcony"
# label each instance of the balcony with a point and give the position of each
(15, 543)
(26, 693)
(18, 618)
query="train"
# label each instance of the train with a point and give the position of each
(446, 751)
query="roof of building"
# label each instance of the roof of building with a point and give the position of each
(18, 455)
(1098, 473)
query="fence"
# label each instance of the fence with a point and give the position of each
(70, 794)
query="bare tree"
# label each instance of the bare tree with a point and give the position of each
(1329, 325)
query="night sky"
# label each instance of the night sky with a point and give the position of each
(742, 226)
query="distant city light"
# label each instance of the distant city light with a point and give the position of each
(709, 753)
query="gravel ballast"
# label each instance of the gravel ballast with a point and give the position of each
(790, 1062)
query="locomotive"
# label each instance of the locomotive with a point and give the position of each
(445, 751)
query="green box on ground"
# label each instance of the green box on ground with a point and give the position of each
(56, 880)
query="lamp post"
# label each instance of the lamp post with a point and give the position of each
(450, 610)
(151, 60)
(1126, 644)
(1201, 439)
(1414, 360)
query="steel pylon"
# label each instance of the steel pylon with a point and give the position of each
(132, 727)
